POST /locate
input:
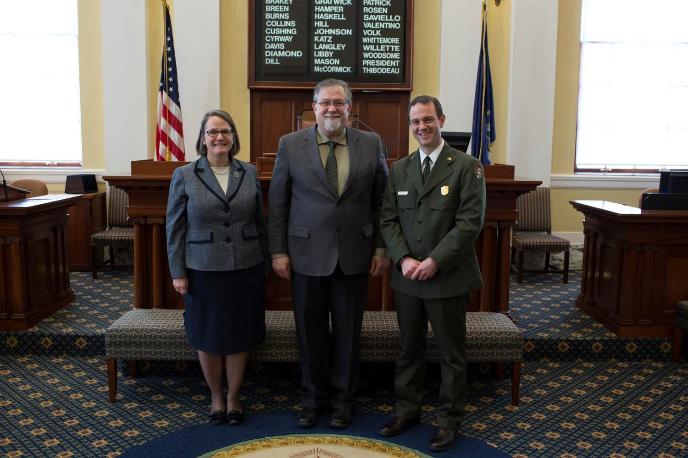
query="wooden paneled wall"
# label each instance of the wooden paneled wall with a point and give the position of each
(275, 113)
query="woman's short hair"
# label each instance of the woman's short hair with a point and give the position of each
(201, 149)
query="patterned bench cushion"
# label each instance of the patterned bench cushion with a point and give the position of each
(492, 337)
(682, 314)
(158, 334)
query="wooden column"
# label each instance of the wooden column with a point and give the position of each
(503, 267)
(488, 266)
(140, 248)
(159, 261)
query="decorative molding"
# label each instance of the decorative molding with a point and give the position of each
(604, 181)
(49, 174)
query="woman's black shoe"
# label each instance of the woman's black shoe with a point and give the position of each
(234, 417)
(218, 417)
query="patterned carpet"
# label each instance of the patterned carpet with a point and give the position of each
(585, 392)
(57, 407)
(79, 329)
(545, 309)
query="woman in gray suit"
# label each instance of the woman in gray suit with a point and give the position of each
(217, 249)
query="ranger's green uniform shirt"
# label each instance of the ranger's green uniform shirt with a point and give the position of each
(440, 219)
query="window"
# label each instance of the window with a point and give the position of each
(40, 117)
(633, 94)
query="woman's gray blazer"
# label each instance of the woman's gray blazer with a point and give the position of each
(210, 230)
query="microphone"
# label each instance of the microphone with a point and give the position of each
(384, 147)
(4, 186)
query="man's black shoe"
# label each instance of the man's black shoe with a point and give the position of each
(341, 419)
(442, 440)
(398, 425)
(308, 417)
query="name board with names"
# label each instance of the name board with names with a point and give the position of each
(295, 43)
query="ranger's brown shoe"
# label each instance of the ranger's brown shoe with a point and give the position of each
(443, 439)
(398, 425)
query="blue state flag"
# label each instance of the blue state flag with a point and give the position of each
(483, 133)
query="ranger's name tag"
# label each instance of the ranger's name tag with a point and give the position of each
(402, 193)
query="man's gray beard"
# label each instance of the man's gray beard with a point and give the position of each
(333, 124)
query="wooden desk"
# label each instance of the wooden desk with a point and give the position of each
(86, 217)
(493, 247)
(34, 273)
(148, 187)
(635, 265)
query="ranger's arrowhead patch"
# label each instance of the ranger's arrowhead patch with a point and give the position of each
(479, 171)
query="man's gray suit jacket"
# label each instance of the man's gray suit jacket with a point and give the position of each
(208, 229)
(309, 222)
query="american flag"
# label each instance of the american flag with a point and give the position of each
(169, 132)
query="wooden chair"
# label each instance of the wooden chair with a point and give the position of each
(306, 118)
(534, 231)
(35, 187)
(119, 233)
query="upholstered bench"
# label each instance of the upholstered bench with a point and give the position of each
(681, 327)
(158, 334)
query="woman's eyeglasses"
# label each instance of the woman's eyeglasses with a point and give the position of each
(215, 132)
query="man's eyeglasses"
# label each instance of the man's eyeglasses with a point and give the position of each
(334, 103)
(215, 132)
